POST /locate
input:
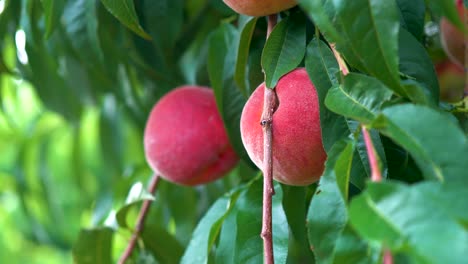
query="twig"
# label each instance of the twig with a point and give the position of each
(140, 222)
(376, 175)
(269, 105)
(387, 257)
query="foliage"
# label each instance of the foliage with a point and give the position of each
(79, 77)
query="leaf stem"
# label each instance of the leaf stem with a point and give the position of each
(140, 222)
(269, 106)
(376, 175)
(343, 67)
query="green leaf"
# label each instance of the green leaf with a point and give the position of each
(52, 12)
(323, 13)
(412, 16)
(402, 218)
(93, 246)
(124, 11)
(240, 74)
(327, 215)
(351, 248)
(295, 207)
(284, 49)
(229, 98)
(365, 32)
(240, 240)
(110, 132)
(164, 21)
(164, 246)
(416, 64)
(135, 197)
(359, 97)
(80, 18)
(420, 131)
(322, 69)
(207, 231)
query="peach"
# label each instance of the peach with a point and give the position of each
(298, 154)
(185, 140)
(259, 7)
(451, 80)
(452, 38)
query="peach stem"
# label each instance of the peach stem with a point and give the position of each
(140, 222)
(465, 20)
(269, 105)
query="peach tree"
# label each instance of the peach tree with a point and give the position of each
(238, 131)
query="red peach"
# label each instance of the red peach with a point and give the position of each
(259, 7)
(451, 80)
(298, 154)
(185, 139)
(452, 39)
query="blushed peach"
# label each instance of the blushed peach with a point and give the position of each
(259, 7)
(185, 139)
(298, 154)
(452, 39)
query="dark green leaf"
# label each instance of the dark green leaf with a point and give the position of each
(110, 132)
(52, 12)
(322, 69)
(327, 214)
(93, 246)
(242, 242)
(420, 131)
(412, 16)
(124, 11)
(350, 248)
(240, 75)
(229, 98)
(368, 34)
(284, 49)
(82, 28)
(359, 97)
(164, 246)
(416, 64)
(401, 217)
(163, 21)
(208, 229)
(295, 207)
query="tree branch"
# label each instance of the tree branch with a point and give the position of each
(269, 106)
(140, 222)
(465, 20)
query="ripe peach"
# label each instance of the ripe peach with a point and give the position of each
(298, 154)
(259, 7)
(452, 38)
(185, 140)
(451, 80)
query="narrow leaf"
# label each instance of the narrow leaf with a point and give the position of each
(124, 11)
(284, 49)
(359, 97)
(93, 246)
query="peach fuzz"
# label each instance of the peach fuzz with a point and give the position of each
(452, 39)
(185, 140)
(259, 7)
(298, 154)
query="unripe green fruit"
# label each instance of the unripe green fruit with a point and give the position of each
(298, 154)
(452, 39)
(259, 7)
(185, 139)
